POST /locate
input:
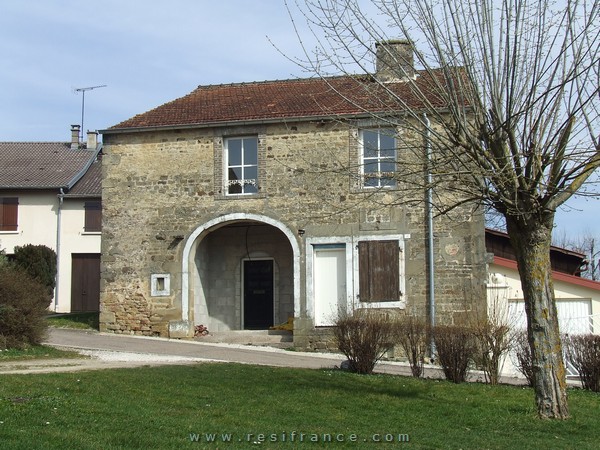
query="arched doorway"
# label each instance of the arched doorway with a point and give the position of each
(240, 271)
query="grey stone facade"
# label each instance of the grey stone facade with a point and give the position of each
(166, 212)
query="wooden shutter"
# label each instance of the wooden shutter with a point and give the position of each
(93, 216)
(9, 213)
(378, 268)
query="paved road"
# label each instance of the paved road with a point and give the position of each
(113, 351)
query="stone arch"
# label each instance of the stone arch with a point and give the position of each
(205, 229)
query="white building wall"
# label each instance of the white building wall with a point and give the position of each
(37, 225)
(505, 297)
(73, 239)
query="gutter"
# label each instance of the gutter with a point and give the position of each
(429, 214)
(58, 228)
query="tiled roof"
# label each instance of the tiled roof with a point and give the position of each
(287, 99)
(41, 165)
(90, 185)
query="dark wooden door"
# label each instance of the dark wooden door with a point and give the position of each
(258, 294)
(85, 282)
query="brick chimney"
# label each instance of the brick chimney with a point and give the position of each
(92, 140)
(75, 137)
(395, 60)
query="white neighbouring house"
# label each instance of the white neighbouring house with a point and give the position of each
(50, 194)
(577, 298)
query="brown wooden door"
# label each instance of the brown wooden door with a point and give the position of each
(85, 282)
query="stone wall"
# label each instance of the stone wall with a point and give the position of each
(160, 186)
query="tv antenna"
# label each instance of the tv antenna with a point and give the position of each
(82, 90)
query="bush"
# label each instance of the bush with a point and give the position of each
(363, 337)
(412, 334)
(522, 352)
(584, 353)
(23, 307)
(493, 341)
(456, 348)
(39, 262)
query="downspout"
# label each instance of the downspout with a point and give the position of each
(429, 213)
(58, 221)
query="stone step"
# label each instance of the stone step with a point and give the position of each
(249, 337)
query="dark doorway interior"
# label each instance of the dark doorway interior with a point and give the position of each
(258, 294)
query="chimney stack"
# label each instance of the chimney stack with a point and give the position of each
(395, 60)
(92, 140)
(75, 137)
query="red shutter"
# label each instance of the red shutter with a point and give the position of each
(378, 269)
(9, 213)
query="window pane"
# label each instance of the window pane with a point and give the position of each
(250, 151)
(234, 147)
(251, 173)
(369, 144)
(388, 166)
(387, 143)
(235, 173)
(371, 166)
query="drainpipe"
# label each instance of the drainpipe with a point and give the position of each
(429, 213)
(58, 216)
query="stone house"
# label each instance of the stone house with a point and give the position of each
(50, 195)
(244, 206)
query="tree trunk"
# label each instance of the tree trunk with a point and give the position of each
(531, 239)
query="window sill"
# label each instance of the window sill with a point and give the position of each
(91, 233)
(382, 305)
(10, 232)
(241, 196)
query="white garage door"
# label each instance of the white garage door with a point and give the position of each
(574, 315)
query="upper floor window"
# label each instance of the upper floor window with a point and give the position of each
(242, 165)
(9, 213)
(378, 148)
(93, 216)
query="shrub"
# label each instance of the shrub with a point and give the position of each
(23, 307)
(493, 341)
(39, 262)
(456, 348)
(522, 351)
(363, 337)
(412, 334)
(584, 353)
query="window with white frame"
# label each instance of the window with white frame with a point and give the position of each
(241, 165)
(378, 154)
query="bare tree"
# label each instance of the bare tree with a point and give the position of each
(587, 244)
(509, 103)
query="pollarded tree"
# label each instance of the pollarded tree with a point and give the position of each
(514, 125)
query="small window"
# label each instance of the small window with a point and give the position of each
(378, 148)
(160, 285)
(241, 165)
(9, 213)
(93, 216)
(379, 271)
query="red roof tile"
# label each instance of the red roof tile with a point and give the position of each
(287, 99)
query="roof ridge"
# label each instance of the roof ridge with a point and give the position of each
(282, 80)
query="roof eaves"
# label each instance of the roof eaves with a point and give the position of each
(84, 169)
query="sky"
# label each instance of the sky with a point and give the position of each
(148, 52)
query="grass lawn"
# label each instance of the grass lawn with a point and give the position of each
(36, 352)
(81, 321)
(160, 407)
